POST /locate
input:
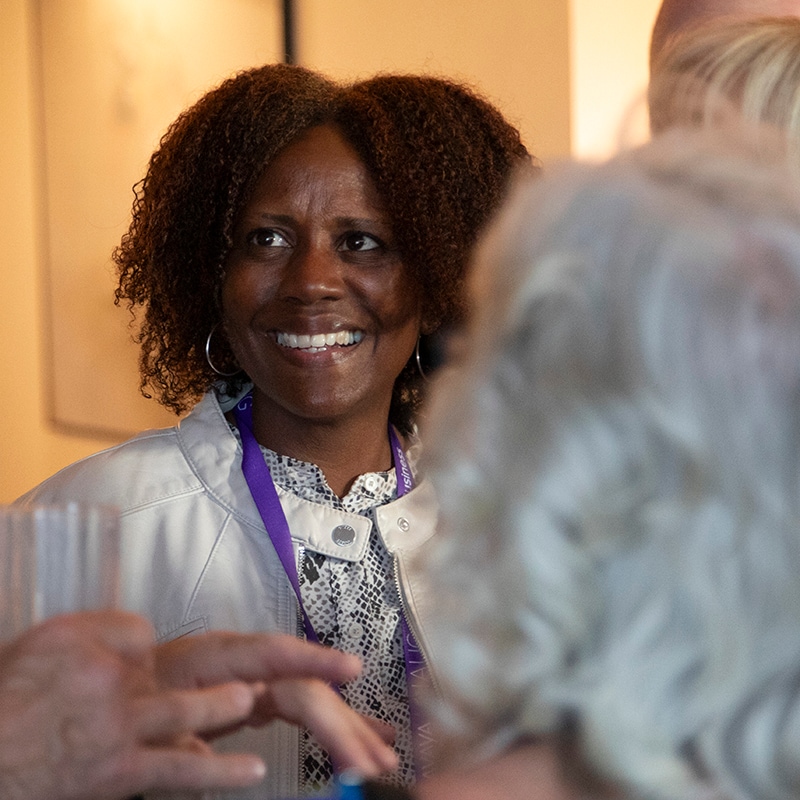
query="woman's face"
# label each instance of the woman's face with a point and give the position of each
(318, 306)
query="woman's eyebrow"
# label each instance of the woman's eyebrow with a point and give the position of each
(264, 216)
(362, 222)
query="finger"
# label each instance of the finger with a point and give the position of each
(166, 715)
(385, 731)
(128, 635)
(176, 768)
(222, 656)
(352, 741)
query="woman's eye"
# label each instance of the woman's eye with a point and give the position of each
(359, 242)
(267, 237)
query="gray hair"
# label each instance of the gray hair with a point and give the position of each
(617, 458)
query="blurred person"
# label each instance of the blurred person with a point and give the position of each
(678, 16)
(617, 457)
(741, 68)
(294, 246)
(90, 709)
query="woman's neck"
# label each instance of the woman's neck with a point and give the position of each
(343, 449)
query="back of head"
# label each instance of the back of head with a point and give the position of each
(748, 67)
(677, 17)
(617, 462)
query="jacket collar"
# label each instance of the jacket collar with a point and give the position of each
(215, 456)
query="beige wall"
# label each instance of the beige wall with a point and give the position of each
(556, 67)
(29, 448)
(570, 73)
(514, 51)
(609, 44)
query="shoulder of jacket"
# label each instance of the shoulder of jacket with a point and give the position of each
(141, 470)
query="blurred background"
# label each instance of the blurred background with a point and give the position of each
(87, 87)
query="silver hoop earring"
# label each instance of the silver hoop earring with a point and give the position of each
(208, 356)
(419, 360)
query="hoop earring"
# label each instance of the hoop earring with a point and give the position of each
(208, 356)
(419, 360)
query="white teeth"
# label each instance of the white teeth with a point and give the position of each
(319, 341)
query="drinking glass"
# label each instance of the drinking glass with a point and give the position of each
(56, 559)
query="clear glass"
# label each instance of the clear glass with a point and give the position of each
(56, 559)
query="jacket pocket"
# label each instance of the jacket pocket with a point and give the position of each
(199, 625)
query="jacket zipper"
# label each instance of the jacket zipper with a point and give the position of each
(411, 622)
(301, 634)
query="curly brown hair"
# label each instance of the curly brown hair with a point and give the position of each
(441, 158)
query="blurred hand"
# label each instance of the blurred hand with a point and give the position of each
(82, 716)
(295, 678)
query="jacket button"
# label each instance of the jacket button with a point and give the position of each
(355, 630)
(343, 535)
(403, 524)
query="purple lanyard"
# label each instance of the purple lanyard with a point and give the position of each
(262, 487)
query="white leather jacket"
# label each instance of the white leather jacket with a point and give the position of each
(196, 556)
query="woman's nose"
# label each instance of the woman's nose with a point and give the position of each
(313, 273)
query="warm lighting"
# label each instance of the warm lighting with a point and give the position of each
(609, 44)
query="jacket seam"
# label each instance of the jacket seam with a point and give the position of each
(155, 501)
(211, 556)
(167, 635)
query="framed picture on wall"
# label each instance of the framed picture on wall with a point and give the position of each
(112, 76)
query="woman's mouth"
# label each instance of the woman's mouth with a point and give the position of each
(318, 342)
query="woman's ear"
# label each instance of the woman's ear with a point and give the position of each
(433, 347)
(428, 322)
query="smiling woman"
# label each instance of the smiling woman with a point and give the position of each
(291, 243)
(320, 309)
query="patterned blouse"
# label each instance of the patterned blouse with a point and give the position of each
(354, 607)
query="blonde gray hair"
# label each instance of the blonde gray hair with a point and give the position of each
(750, 66)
